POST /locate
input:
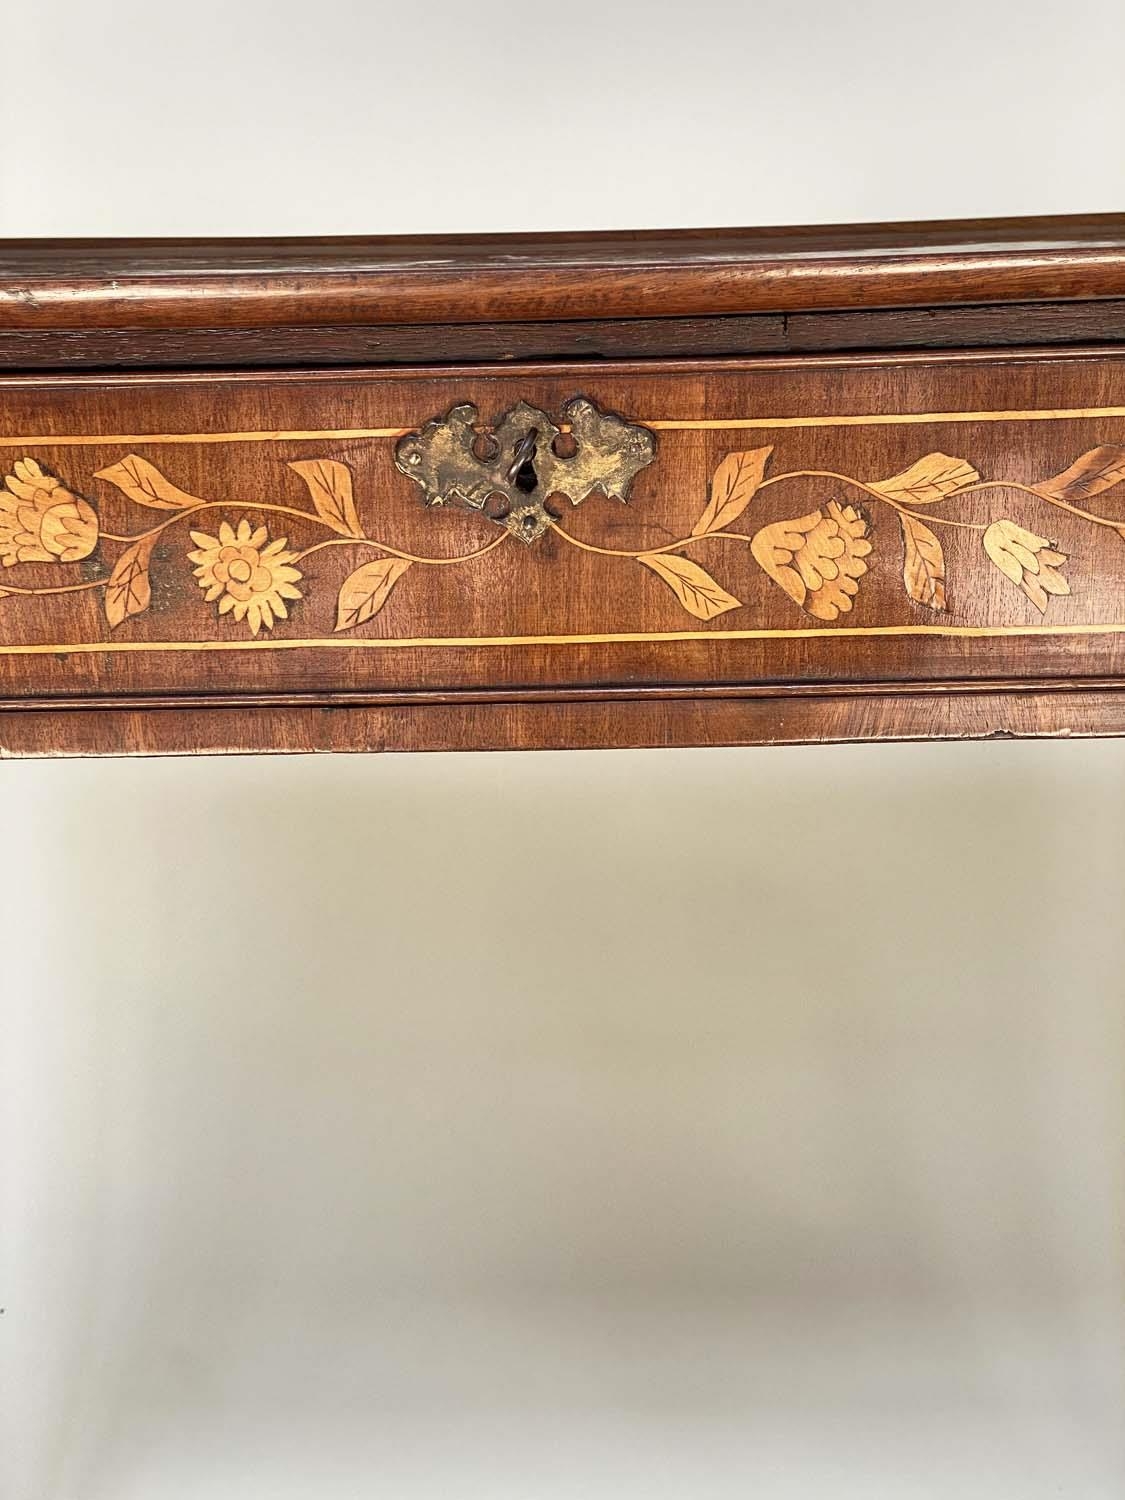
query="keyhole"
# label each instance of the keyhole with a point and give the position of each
(526, 477)
(521, 472)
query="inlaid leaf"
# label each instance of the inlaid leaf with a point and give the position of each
(1095, 471)
(144, 483)
(330, 485)
(733, 486)
(365, 591)
(128, 590)
(817, 559)
(930, 479)
(923, 565)
(696, 590)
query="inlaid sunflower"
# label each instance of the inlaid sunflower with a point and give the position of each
(249, 575)
(41, 521)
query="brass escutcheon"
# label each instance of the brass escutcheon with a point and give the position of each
(510, 470)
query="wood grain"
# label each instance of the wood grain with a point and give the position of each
(882, 542)
(1003, 326)
(640, 723)
(559, 277)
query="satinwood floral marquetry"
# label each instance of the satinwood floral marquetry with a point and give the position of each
(1030, 561)
(249, 576)
(819, 559)
(41, 521)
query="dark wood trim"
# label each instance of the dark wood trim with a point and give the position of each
(639, 723)
(775, 692)
(133, 379)
(363, 345)
(242, 284)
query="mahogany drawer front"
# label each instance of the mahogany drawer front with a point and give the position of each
(807, 538)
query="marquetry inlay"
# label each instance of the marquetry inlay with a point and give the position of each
(252, 577)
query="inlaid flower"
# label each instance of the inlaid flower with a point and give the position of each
(41, 521)
(1030, 561)
(817, 559)
(249, 575)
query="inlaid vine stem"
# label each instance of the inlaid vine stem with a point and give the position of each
(1027, 489)
(876, 494)
(268, 508)
(817, 558)
(58, 588)
(432, 562)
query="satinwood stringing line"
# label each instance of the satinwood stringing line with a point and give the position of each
(661, 424)
(86, 648)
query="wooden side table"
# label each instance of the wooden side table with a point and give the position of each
(725, 487)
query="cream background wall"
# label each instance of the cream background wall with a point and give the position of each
(692, 1124)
